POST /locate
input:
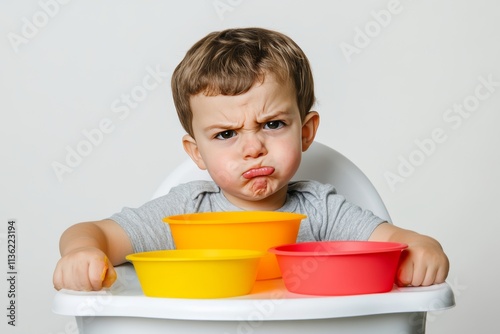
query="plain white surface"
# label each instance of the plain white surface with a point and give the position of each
(395, 91)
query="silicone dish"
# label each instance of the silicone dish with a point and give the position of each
(196, 273)
(258, 230)
(336, 268)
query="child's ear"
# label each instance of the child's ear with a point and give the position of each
(192, 150)
(309, 128)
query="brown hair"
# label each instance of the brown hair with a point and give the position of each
(229, 62)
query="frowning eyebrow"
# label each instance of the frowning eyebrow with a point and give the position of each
(282, 114)
(221, 126)
(275, 115)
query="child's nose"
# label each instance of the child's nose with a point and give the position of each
(253, 146)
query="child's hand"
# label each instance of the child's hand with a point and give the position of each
(86, 268)
(423, 263)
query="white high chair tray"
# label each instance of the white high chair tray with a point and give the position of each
(269, 308)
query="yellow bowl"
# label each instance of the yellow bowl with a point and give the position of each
(258, 230)
(196, 273)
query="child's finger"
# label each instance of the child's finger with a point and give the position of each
(441, 274)
(430, 277)
(404, 274)
(57, 278)
(421, 274)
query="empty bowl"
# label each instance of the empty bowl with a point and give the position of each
(196, 273)
(335, 268)
(258, 230)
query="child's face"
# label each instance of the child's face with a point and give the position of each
(251, 144)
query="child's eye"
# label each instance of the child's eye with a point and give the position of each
(226, 134)
(273, 125)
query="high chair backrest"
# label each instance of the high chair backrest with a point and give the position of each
(320, 163)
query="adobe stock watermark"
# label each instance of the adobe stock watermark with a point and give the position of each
(91, 306)
(221, 7)
(30, 27)
(380, 19)
(439, 305)
(263, 309)
(121, 109)
(453, 117)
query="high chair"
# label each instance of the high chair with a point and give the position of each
(269, 308)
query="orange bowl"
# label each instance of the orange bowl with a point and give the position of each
(336, 268)
(257, 230)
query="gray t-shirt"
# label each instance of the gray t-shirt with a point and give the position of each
(329, 215)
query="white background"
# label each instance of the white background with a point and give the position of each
(63, 78)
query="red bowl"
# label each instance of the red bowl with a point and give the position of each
(336, 268)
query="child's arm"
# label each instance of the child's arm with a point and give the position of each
(88, 253)
(422, 263)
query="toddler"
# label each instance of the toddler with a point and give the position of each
(244, 98)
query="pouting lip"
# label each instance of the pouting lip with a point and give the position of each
(258, 171)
